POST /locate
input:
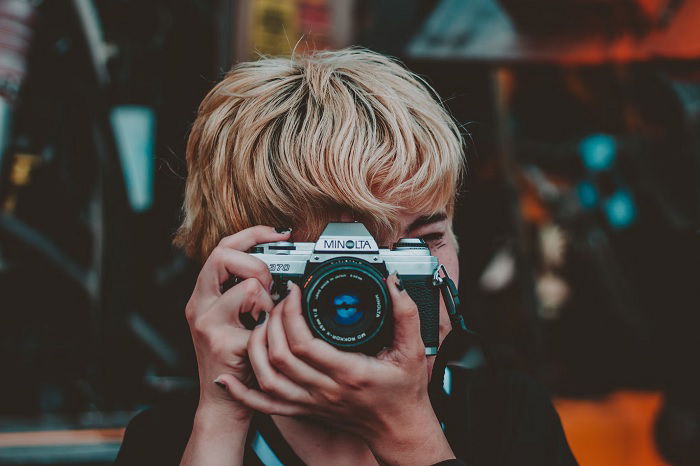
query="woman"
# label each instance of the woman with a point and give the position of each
(332, 136)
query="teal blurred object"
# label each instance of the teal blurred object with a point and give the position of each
(587, 194)
(598, 152)
(620, 209)
(134, 131)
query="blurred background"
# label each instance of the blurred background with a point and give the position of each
(579, 225)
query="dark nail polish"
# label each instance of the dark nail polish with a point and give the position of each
(220, 385)
(399, 286)
(248, 320)
(261, 319)
(283, 230)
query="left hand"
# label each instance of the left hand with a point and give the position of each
(383, 399)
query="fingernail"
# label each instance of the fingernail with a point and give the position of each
(220, 384)
(399, 286)
(261, 319)
(283, 230)
(247, 320)
(289, 285)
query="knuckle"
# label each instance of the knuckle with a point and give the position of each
(250, 286)
(267, 385)
(263, 382)
(331, 396)
(218, 255)
(357, 380)
(199, 327)
(190, 312)
(299, 348)
(253, 290)
(261, 270)
(278, 358)
(261, 274)
(227, 241)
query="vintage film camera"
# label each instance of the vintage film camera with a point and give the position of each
(343, 280)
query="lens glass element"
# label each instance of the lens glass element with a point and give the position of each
(346, 311)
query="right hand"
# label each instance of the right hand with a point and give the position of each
(220, 339)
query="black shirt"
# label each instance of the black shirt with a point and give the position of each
(489, 418)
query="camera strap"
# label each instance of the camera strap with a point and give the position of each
(455, 344)
(450, 295)
(461, 336)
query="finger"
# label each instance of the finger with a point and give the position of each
(246, 239)
(269, 380)
(314, 351)
(249, 296)
(223, 263)
(228, 259)
(407, 337)
(257, 400)
(283, 360)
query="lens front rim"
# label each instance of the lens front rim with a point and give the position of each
(371, 341)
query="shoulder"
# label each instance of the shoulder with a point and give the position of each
(158, 435)
(506, 414)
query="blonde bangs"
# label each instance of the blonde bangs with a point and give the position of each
(298, 142)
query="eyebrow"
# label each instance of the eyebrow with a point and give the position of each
(427, 220)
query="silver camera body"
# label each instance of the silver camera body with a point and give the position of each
(343, 281)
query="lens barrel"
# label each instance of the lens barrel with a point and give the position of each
(347, 304)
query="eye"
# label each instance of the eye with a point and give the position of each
(433, 237)
(434, 234)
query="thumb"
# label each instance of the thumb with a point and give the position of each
(407, 338)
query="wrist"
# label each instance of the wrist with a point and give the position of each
(217, 421)
(215, 401)
(222, 412)
(414, 439)
(218, 435)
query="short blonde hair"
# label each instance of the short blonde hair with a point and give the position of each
(296, 141)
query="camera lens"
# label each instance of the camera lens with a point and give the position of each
(347, 304)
